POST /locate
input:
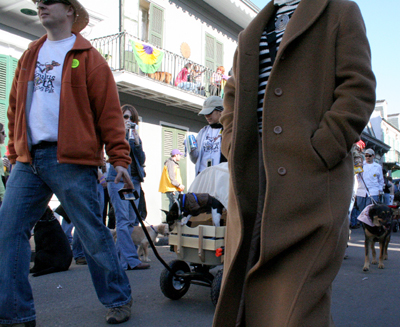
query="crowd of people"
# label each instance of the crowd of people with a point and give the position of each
(292, 137)
(191, 78)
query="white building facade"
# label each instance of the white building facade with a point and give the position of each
(203, 33)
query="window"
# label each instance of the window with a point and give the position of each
(214, 52)
(172, 138)
(156, 25)
(7, 70)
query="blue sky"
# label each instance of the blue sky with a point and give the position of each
(383, 30)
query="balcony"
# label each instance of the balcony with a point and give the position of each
(148, 72)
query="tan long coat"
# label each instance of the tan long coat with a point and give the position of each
(319, 97)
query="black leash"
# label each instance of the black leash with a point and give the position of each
(366, 187)
(125, 194)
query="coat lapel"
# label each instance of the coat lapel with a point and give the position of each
(304, 16)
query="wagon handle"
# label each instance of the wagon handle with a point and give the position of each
(131, 195)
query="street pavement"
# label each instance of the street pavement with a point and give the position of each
(360, 299)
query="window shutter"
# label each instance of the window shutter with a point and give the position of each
(172, 138)
(219, 55)
(8, 65)
(3, 89)
(168, 138)
(156, 25)
(210, 52)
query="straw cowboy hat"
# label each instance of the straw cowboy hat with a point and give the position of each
(81, 15)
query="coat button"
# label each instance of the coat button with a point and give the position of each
(277, 129)
(281, 171)
(278, 92)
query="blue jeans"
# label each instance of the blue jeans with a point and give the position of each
(126, 220)
(29, 190)
(362, 202)
(386, 198)
(172, 197)
(353, 216)
(67, 228)
(77, 248)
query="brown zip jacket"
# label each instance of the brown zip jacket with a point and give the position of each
(90, 113)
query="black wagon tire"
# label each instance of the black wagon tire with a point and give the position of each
(172, 287)
(216, 287)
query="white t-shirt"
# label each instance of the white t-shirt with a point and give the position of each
(373, 177)
(211, 147)
(44, 112)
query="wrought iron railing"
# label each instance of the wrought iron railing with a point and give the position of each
(118, 50)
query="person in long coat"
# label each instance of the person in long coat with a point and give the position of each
(319, 97)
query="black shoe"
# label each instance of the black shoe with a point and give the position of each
(355, 226)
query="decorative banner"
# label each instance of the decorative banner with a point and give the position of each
(148, 58)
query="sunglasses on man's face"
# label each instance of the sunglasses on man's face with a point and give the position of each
(128, 117)
(368, 155)
(52, 2)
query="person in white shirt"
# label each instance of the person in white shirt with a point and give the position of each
(208, 151)
(369, 181)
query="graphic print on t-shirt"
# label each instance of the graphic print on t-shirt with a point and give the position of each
(211, 144)
(44, 79)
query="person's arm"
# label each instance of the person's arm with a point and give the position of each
(109, 123)
(354, 95)
(171, 173)
(195, 153)
(381, 180)
(104, 100)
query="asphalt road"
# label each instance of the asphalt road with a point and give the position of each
(360, 299)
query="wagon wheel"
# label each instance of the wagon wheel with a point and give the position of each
(216, 287)
(175, 287)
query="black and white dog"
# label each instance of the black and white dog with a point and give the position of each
(53, 252)
(193, 204)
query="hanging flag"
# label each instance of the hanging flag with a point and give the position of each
(148, 58)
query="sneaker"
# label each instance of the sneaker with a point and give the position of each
(81, 261)
(120, 314)
(31, 323)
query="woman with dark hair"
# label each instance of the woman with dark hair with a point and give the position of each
(125, 216)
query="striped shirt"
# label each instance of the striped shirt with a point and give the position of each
(283, 14)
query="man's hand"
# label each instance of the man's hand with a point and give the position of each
(123, 173)
(181, 187)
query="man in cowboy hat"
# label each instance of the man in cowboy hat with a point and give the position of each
(64, 107)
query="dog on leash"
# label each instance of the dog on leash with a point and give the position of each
(377, 224)
(140, 240)
(193, 204)
(53, 252)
